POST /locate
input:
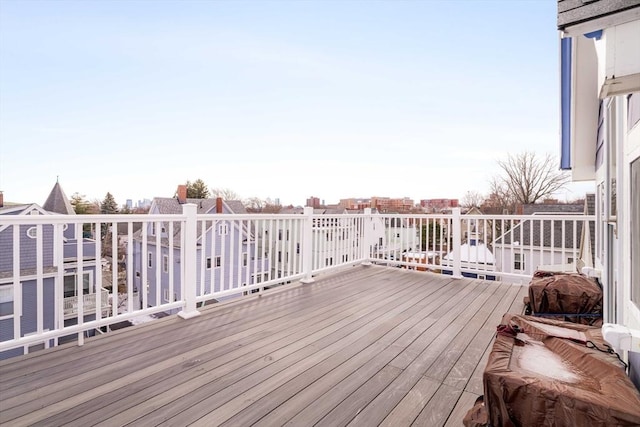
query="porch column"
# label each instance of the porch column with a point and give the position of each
(457, 243)
(189, 262)
(307, 246)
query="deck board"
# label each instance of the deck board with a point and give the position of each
(362, 346)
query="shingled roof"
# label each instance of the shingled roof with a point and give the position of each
(546, 233)
(57, 202)
(171, 206)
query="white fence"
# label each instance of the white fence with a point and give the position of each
(175, 263)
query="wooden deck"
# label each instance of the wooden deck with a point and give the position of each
(366, 346)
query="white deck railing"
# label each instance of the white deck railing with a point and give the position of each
(175, 263)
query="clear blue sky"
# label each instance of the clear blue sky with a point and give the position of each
(272, 99)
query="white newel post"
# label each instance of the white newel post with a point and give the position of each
(457, 242)
(307, 246)
(189, 262)
(368, 235)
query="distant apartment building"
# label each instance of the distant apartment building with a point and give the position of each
(387, 204)
(354, 203)
(313, 202)
(438, 205)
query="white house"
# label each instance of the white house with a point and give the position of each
(600, 140)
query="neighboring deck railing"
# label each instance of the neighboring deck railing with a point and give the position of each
(175, 263)
(88, 303)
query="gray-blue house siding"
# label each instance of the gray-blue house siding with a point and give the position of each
(28, 238)
(223, 263)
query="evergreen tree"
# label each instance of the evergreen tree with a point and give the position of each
(197, 190)
(108, 205)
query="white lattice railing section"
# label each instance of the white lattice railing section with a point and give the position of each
(174, 263)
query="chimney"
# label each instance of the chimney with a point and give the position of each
(182, 194)
(219, 205)
(1, 200)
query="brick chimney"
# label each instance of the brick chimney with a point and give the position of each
(219, 205)
(182, 194)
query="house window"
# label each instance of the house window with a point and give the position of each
(279, 234)
(165, 263)
(297, 248)
(166, 296)
(569, 260)
(223, 229)
(70, 286)
(6, 300)
(32, 232)
(279, 256)
(218, 261)
(244, 259)
(149, 260)
(153, 229)
(209, 263)
(328, 261)
(518, 261)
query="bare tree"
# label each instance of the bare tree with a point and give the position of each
(527, 178)
(254, 204)
(472, 199)
(225, 193)
(258, 205)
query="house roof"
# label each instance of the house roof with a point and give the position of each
(171, 206)
(526, 234)
(58, 202)
(574, 12)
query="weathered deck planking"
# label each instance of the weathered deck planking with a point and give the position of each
(363, 346)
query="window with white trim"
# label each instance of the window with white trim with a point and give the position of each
(166, 296)
(518, 261)
(6, 300)
(244, 259)
(223, 229)
(32, 232)
(208, 263)
(70, 284)
(149, 260)
(165, 263)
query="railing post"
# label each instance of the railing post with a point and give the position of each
(307, 246)
(457, 243)
(189, 262)
(368, 235)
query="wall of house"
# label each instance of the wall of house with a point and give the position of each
(28, 253)
(28, 321)
(505, 258)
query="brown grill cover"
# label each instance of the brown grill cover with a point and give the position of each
(553, 381)
(562, 293)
